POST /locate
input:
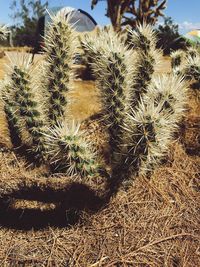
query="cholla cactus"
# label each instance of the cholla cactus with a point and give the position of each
(112, 68)
(177, 58)
(11, 112)
(23, 106)
(141, 109)
(192, 52)
(149, 134)
(60, 48)
(191, 70)
(138, 104)
(143, 40)
(69, 151)
(187, 63)
(3, 31)
(149, 128)
(169, 94)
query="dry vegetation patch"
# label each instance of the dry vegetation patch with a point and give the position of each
(154, 223)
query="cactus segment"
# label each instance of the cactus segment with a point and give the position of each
(69, 151)
(169, 93)
(177, 59)
(149, 135)
(113, 71)
(60, 49)
(142, 38)
(23, 96)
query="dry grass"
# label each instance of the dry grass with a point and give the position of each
(153, 224)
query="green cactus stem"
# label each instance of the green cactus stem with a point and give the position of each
(69, 152)
(28, 117)
(60, 48)
(12, 117)
(143, 40)
(113, 69)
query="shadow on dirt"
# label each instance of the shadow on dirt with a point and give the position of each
(69, 205)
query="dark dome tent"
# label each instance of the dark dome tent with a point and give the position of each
(79, 19)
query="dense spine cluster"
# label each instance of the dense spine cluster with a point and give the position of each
(143, 41)
(152, 125)
(177, 59)
(69, 152)
(28, 113)
(12, 114)
(60, 48)
(112, 69)
(187, 63)
(191, 70)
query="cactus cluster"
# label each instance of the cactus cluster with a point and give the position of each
(138, 104)
(140, 108)
(187, 63)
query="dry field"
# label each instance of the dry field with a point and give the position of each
(155, 223)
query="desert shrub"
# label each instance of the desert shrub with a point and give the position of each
(141, 110)
(169, 38)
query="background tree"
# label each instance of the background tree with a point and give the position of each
(131, 12)
(169, 37)
(26, 15)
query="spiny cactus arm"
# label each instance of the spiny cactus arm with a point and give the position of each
(11, 112)
(191, 71)
(24, 97)
(169, 94)
(177, 59)
(143, 73)
(60, 48)
(192, 52)
(113, 69)
(69, 152)
(143, 39)
(3, 31)
(149, 135)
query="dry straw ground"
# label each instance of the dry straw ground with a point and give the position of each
(155, 223)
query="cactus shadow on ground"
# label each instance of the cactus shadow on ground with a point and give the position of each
(62, 208)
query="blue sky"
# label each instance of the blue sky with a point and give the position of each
(185, 13)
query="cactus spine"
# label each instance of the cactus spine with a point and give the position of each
(113, 75)
(60, 48)
(70, 152)
(152, 125)
(29, 115)
(12, 114)
(143, 40)
(177, 58)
